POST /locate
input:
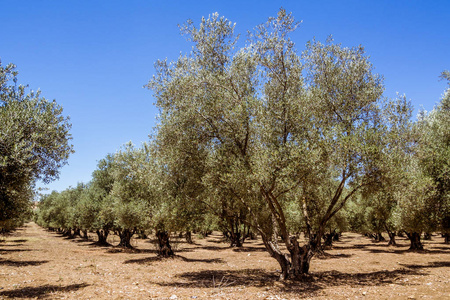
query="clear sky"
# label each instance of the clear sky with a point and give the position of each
(94, 57)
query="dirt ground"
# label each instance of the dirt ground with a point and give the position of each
(38, 264)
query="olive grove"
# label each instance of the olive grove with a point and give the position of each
(259, 137)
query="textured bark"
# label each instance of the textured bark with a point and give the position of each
(188, 237)
(164, 248)
(328, 239)
(77, 232)
(391, 235)
(102, 236)
(297, 265)
(414, 238)
(300, 258)
(379, 237)
(125, 238)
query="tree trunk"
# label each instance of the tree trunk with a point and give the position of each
(328, 239)
(164, 248)
(189, 237)
(235, 234)
(300, 258)
(446, 238)
(67, 232)
(427, 236)
(76, 232)
(379, 237)
(414, 238)
(125, 238)
(85, 234)
(297, 266)
(102, 236)
(336, 236)
(391, 235)
(235, 239)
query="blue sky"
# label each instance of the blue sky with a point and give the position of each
(94, 57)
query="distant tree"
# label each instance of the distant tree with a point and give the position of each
(34, 144)
(434, 160)
(129, 196)
(379, 202)
(95, 204)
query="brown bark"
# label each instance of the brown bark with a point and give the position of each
(414, 238)
(125, 238)
(391, 235)
(188, 236)
(102, 236)
(164, 248)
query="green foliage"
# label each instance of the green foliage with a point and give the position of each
(34, 144)
(280, 133)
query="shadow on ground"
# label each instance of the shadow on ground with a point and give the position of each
(41, 291)
(403, 251)
(149, 260)
(308, 286)
(327, 255)
(13, 250)
(21, 263)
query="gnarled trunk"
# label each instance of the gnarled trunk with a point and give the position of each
(328, 239)
(164, 248)
(379, 237)
(414, 238)
(125, 238)
(297, 265)
(188, 237)
(446, 238)
(102, 236)
(391, 235)
(85, 234)
(76, 232)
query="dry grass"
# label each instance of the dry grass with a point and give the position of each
(38, 264)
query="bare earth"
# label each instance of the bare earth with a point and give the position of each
(38, 264)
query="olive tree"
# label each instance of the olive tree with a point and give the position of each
(129, 197)
(279, 129)
(34, 144)
(434, 160)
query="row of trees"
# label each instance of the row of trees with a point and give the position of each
(34, 145)
(280, 142)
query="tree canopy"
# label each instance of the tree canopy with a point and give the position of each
(34, 144)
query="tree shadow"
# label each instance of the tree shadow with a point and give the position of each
(308, 286)
(249, 249)
(222, 278)
(213, 248)
(19, 241)
(99, 245)
(353, 247)
(441, 248)
(433, 264)
(326, 255)
(82, 241)
(120, 249)
(149, 260)
(15, 263)
(41, 292)
(13, 250)
(217, 241)
(403, 251)
(13, 245)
